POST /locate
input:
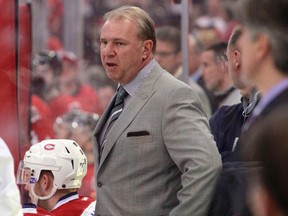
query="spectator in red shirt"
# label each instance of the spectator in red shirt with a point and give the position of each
(74, 94)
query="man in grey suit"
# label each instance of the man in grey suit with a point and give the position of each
(158, 157)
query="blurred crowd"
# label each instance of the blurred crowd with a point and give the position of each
(210, 20)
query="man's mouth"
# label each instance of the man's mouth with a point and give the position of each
(111, 64)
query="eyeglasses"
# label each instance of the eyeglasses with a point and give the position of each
(165, 54)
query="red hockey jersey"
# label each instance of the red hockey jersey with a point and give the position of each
(70, 204)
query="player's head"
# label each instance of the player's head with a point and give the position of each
(62, 157)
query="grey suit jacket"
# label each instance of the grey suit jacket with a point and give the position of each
(160, 157)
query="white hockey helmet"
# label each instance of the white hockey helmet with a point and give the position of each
(63, 157)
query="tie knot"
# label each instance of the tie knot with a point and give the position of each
(252, 104)
(121, 93)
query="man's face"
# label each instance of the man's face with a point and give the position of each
(167, 57)
(211, 70)
(122, 52)
(248, 61)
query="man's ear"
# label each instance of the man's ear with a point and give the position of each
(46, 182)
(147, 49)
(237, 58)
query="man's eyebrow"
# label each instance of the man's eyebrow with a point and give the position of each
(119, 39)
(113, 40)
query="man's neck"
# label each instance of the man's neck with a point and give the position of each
(51, 203)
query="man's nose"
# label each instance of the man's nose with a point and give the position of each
(109, 49)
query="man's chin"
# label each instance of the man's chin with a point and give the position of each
(112, 76)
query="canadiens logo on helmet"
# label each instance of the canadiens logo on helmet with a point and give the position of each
(49, 146)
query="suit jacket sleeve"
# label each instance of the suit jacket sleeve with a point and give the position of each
(191, 146)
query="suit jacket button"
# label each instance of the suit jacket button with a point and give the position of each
(99, 184)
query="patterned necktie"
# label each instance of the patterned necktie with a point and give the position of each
(250, 113)
(115, 113)
(252, 104)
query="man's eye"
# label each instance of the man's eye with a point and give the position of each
(119, 43)
(103, 42)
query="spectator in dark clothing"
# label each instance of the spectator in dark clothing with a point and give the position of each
(264, 61)
(268, 141)
(227, 122)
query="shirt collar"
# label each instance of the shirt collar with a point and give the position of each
(271, 94)
(66, 198)
(134, 84)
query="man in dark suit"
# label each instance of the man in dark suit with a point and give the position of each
(158, 157)
(226, 123)
(264, 51)
(264, 47)
(268, 193)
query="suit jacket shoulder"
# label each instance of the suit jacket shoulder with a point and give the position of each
(280, 100)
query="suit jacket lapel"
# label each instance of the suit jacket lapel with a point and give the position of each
(130, 111)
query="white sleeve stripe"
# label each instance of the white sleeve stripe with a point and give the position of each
(90, 210)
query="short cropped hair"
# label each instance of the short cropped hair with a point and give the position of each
(219, 50)
(140, 17)
(234, 37)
